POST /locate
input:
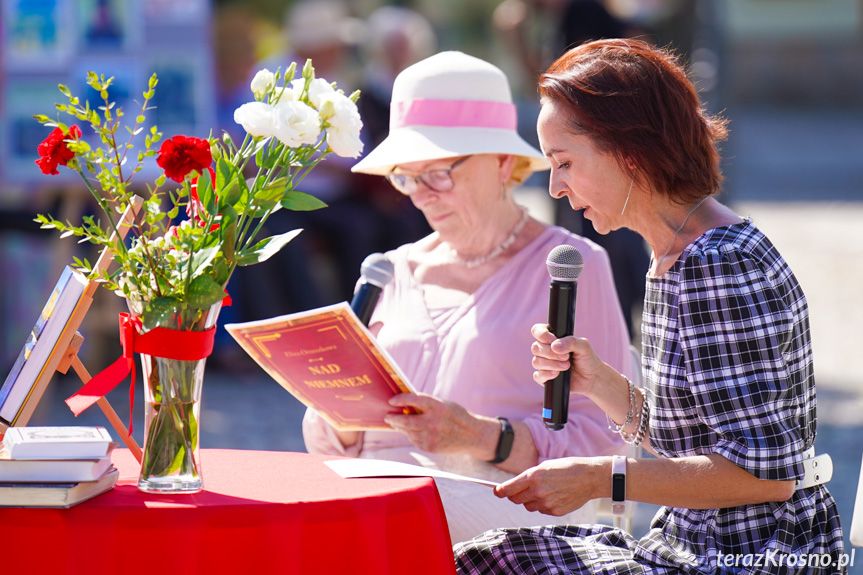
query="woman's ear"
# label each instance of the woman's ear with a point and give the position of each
(630, 165)
(506, 163)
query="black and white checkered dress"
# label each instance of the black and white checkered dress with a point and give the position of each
(727, 357)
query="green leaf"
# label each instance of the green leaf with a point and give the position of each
(226, 183)
(272, 193)
(204, 292)
(202, 259)
(243, 200)
(162, 312)
(205, 192)
(221, 271)
(229, 232)
(301, 202)
(270, 159)
(265, 249)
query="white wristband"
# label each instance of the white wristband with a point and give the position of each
(618, 484)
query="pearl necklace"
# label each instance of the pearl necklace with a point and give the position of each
(674, 237)
(510, 239)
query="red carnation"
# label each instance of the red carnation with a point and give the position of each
(180, 155)
(53, 150)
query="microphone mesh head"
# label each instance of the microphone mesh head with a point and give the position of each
(564, 263)
(377, 269)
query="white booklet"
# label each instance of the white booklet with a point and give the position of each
(70, 442)
(383, 468)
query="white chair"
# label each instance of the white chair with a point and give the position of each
(856, 533)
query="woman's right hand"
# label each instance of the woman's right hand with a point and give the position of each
(551, 356)
(557, 486)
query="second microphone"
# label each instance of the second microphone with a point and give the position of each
(376, 271)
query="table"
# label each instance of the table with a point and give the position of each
(260, 512)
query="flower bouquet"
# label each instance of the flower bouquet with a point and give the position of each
(189, 236)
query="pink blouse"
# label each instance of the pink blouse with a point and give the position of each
(478, 355)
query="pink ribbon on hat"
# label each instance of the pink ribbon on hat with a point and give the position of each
(453, 113)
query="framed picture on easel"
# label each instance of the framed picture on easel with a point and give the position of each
(66, 301)
(53, 345)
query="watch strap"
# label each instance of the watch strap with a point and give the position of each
(618, 484)
(504, 441)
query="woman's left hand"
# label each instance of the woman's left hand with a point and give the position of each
(440, 427)
(554, 487)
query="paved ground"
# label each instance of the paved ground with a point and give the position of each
(799, 176)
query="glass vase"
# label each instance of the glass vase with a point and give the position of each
(172, 414)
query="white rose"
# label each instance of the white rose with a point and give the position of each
(343, 135)
(256, 118)
(296, 123)
(283, 94)
(318, 88)
(263, 83)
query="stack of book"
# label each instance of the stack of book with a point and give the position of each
(55, 466)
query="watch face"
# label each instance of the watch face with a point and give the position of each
(618, 487)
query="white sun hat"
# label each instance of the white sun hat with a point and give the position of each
(445, 106)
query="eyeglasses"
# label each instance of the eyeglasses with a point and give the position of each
(435, 180)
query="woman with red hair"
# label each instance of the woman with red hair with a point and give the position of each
(728, 405)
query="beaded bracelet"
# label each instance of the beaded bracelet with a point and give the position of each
(630, 414)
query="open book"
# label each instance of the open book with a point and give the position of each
(328, 360)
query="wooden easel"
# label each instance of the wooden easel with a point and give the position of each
(66, 351)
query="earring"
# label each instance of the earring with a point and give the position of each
(627, 196)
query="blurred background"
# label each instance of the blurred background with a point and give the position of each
(788, 74)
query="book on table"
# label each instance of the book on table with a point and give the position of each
(70, 442)
(63, 494)
(328, 360)
(41, 343)
(69, 470)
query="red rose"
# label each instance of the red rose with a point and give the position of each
(180, 155)
(53, 150)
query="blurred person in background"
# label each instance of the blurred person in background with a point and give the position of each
(336, 239)
(560, 25)
(728, 407)
(396, 37)
(456, 317)
(540, 31)
(285, 283)
(235, 57)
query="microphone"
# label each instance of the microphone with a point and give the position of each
(376, 271)
(564, 265)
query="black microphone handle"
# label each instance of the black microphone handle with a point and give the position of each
(561, 322)
(365, 300)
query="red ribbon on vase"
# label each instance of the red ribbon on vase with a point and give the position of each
(158, 342)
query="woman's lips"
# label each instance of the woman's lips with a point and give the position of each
(435, 219)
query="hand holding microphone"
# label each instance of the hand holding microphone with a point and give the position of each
(376, 271)
(564, 265)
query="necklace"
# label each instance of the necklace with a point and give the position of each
(510, 239)
(674, 237)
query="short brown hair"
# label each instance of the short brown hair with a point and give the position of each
(633, 100)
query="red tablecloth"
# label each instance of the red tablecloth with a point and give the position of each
(260, 512)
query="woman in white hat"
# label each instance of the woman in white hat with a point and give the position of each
(458, 313)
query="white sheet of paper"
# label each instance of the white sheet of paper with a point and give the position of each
(383, 468)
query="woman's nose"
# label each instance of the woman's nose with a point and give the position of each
(556, 188)
(422, 195)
